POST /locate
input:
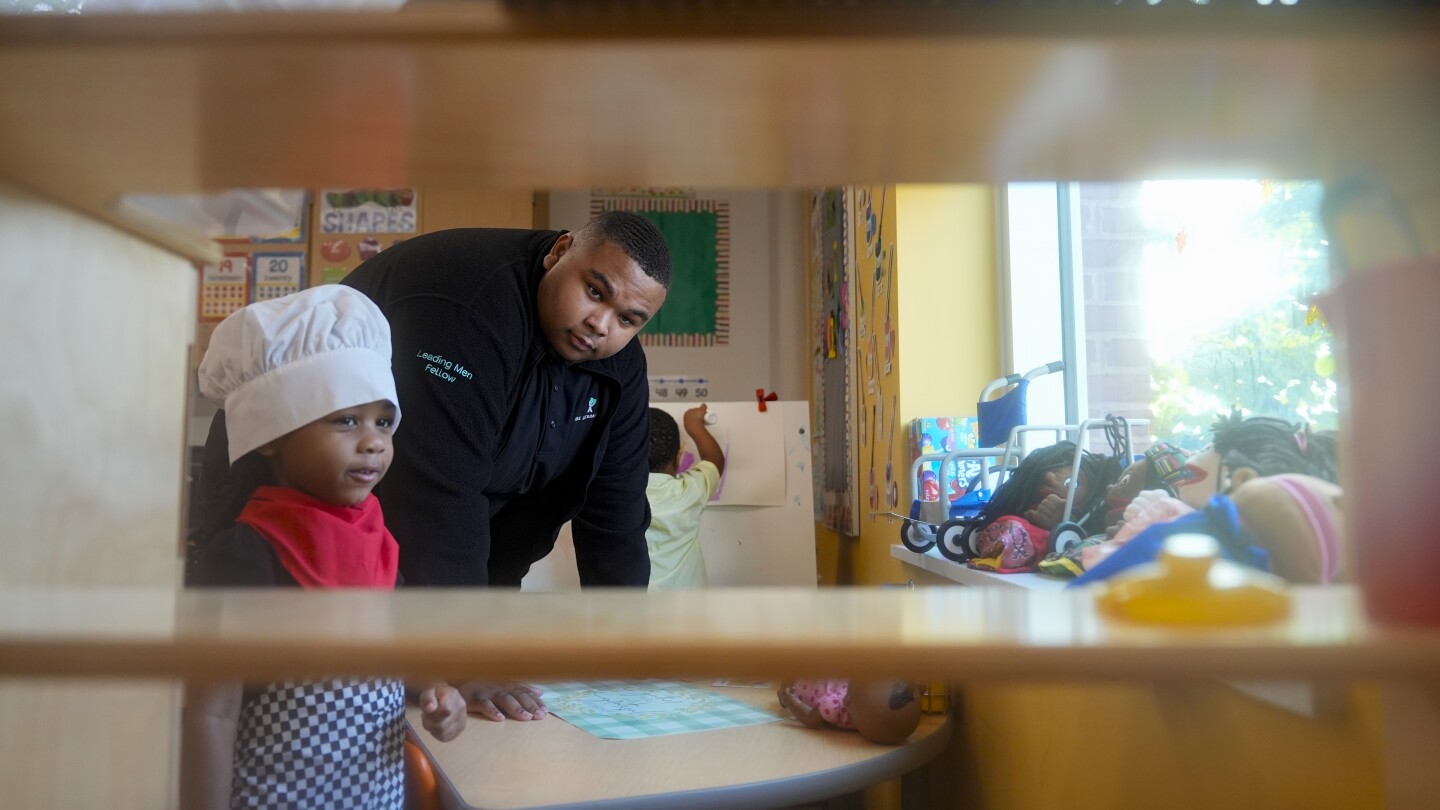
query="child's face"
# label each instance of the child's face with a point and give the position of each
(338, 458)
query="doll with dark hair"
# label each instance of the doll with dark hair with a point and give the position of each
(1015, 527)
(885, 712)
(1244, 448)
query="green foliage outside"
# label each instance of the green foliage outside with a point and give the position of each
(1270, 362)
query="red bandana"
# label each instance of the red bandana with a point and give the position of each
(323, 545)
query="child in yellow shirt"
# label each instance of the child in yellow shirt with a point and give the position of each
(676, 501)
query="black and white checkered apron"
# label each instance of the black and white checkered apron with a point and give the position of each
(332, 743)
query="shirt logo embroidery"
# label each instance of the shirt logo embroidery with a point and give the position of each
(589, 410)
(439, 366)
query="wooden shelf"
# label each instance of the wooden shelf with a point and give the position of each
(963, 634)
(475, 95)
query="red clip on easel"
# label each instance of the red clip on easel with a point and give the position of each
(761, 398)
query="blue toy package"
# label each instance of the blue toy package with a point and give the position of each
(944, 434)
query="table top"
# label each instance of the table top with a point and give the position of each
(552, 764)
(966, 634)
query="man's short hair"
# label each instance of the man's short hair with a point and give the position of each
(634, 234)
(664, 440)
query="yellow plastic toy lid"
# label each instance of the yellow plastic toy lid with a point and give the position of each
(1191, 585)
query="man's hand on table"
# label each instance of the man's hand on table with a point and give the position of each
(497, 701)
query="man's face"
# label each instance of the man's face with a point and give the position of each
(594, 298)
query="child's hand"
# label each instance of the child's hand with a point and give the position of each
(442, 711)
(695, 418)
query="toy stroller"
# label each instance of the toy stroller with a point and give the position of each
(955, 534)
(997, 418)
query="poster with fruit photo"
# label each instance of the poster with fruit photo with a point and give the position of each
(351, 225)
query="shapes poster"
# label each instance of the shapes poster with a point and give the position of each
(352, 225)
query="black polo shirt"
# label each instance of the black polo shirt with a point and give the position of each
(537, 451)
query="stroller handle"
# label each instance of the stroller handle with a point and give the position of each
(1014, 379)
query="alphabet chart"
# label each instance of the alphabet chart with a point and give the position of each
(224, 287)
(278, 274)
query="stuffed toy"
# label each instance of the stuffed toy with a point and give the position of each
(1299, 521)
(885, 712)
(1260, 445)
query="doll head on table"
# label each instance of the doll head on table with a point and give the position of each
(309, 397)
(1258, 445)
(882, 711)
(1298, 520)
(1162, 467)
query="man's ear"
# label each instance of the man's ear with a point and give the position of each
(558, 249)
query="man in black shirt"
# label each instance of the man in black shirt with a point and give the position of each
(515, 362)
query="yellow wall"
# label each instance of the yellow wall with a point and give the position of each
(934, 246)
(947, 300)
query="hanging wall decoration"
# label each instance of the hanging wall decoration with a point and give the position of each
(831, 406)
(697, 307)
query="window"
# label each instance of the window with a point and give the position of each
(1170, 300)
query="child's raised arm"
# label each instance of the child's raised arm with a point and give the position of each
(705, 444)
(207, 751)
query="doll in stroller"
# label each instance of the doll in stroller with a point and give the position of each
(937, 497)
(1051, 499)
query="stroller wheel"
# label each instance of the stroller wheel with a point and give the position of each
(953, 540)
(918, 537)
(1065, 535)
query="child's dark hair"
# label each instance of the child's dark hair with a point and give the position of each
(221, 492)
(634, 234)
(664, 440)
(1273, 446)
(1017, 494)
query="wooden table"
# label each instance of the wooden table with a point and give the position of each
(551, 764)
(960, 634)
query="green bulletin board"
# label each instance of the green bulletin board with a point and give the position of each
(697, 308)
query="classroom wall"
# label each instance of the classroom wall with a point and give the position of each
(934, 246)
(949, 315)
(96, 327)
(767, 296)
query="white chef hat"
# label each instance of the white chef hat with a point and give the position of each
(279, 365)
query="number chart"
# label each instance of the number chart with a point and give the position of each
(686, 388)
(278, 274)
(224, 287)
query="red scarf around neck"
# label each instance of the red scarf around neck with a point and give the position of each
(323, 545)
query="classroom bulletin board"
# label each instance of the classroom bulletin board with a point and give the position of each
(336, 230)
(251, 269)
(831, 262)
(882, 457)
(697, 307)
